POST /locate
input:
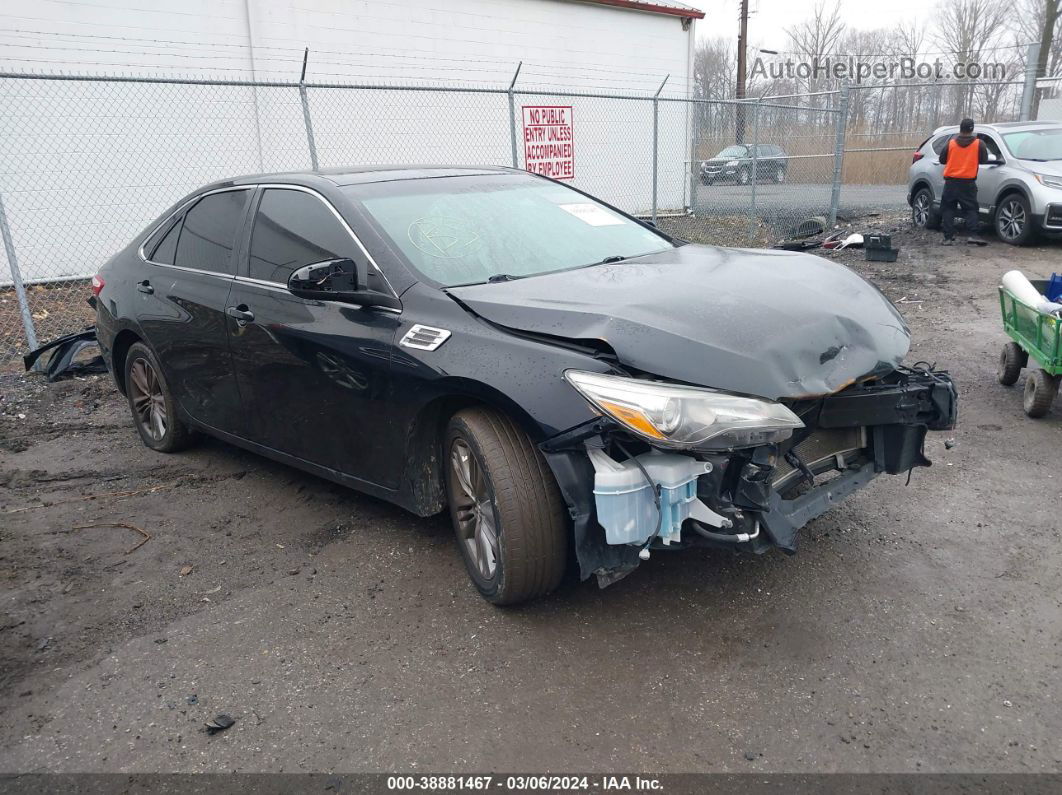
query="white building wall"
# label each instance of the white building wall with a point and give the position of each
(88, 164)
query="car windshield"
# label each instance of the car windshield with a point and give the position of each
(733, 151)
(1036, 144)
(473, 229)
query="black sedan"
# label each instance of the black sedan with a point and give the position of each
(569, 381)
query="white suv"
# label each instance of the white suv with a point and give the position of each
(1019, 190)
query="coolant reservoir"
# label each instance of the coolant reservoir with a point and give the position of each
(624, 499)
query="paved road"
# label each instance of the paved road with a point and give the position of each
(797, 199)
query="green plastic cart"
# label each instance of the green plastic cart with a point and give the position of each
(1034, 336)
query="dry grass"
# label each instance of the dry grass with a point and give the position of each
(812, 153)
(57, 309)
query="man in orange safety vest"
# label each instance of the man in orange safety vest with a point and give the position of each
(961, 156)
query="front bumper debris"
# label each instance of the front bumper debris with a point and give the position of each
(851, 437)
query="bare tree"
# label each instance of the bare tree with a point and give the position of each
(967, 29)
(817, 37)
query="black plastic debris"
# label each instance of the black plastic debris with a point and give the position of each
(798, 245)
(219, 724)
(64, 350)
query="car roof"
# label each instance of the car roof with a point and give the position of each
(357, 175)
(1002, 126)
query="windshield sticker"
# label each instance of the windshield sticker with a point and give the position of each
(446, 238)
(592, 214)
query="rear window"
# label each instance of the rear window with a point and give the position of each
(209, 232)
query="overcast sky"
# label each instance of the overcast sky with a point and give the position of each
(771, 17)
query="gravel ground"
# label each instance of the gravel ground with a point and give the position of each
(918, 629)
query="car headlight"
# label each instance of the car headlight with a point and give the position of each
(684, 417)
(1049, 180)
(704, 164)
(731, 162)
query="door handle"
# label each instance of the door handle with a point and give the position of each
(242, 314)
(145, 287)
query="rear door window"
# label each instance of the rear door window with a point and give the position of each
(208, 233)
(293, 229)
(939, 143)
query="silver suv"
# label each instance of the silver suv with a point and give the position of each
(1019, 190)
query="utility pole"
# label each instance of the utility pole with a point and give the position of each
(1051, 11)
(739, 94)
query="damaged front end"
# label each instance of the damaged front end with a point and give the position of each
(750, 484)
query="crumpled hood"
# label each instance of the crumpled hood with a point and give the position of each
(759, 322)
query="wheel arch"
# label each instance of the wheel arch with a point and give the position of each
(917, 185)
(422, 479)
(1010, 190)
(123, 341)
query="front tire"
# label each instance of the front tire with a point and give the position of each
(779, 175)
(151, 403)
(742, 177)
(510, 520)
(1013, 221)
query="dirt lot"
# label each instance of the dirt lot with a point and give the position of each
(918, 628)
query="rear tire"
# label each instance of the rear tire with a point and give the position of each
(779, 175)
(1013, 221)
(1011, 360)
(151, 403)
(498, 484)
(1040, 391)
(923, 215)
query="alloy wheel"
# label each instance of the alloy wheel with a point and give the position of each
(921, 210)
(474, 509)
(148, 401)
(1012, 220)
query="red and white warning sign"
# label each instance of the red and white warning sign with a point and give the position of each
(548, 144)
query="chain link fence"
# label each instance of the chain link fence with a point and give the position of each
(88, 162)
(887, 123)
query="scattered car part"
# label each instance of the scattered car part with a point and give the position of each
(64, 349)
(798, 245)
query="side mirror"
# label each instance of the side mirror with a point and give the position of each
(994, 160)
(338, 280)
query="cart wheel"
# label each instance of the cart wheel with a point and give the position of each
(1040, 391)
(1011, 360)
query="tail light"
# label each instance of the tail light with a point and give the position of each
(97, 284)
(917, 156)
